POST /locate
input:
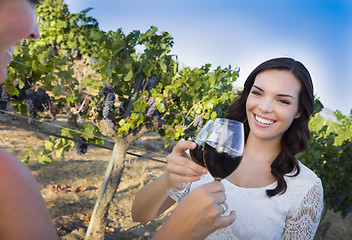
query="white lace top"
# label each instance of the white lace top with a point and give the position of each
(292, 215)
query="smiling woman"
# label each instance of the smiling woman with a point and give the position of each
(273, 195)
(22, 208)
(273, 103)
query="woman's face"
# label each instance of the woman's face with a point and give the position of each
(17, 21)
(273, 103)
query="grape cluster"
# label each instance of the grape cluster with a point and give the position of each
(83, 106)
(43, 99)
(198, 121)
(22, 91)
(346, 211)
(4, 98)
(30, 104)
(36, 101)
(153, 110)
(108, 89)
(81, 148)
(150, 83)
(108, 104)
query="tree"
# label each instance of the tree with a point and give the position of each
(124, 95)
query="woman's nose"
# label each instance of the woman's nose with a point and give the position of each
(35, 34)
(266, 105)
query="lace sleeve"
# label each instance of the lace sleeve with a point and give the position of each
(304, 222)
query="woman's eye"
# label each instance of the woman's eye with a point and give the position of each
(256, 93)
(284, 101)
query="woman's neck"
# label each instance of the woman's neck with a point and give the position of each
(262, 150)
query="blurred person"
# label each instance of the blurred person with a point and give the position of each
(22, 208)
(273, 195)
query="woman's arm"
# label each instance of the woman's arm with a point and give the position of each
(304, 223)
(197, 215)
(22, 208)
(152, 200)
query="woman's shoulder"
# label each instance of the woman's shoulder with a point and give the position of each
(307, 173)
(306, 179)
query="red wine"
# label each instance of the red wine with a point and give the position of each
(197, 155)
(220, 164)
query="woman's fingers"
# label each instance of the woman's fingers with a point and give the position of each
(181, 146)
(181, 163)
(185, 167)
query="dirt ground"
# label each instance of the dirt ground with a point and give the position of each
(70, 187)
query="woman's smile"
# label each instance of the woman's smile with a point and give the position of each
(263, 121)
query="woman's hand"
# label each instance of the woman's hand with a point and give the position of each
(198, 214)
(180, 166)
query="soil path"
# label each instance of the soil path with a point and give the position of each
(71, 185)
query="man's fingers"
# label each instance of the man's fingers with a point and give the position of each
(225, 221)
(214, 187)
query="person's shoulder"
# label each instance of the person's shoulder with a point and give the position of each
(306, 179)
(11, 167)
(14, 176)
(307, 173)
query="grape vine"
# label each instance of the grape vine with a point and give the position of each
(91, 75)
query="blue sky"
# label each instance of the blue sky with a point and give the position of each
(245, 33)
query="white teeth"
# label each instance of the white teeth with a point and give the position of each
(262, 120)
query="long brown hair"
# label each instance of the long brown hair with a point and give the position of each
(296, 137)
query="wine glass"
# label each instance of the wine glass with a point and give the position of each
(197, 153)
(197, 156)
(223, 149)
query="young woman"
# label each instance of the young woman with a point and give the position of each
(273, 195)
(22, 209)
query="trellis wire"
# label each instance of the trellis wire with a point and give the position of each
(88, 143)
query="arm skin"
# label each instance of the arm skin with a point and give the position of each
(197, 215)
(22, 208)
(152, 200)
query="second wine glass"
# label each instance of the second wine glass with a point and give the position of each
(182, 189)
(223, 149)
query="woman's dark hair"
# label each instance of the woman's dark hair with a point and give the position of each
(296, 137)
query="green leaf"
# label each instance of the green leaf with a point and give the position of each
(25, 160)
(11, 90)
(163, 67)
(213, 115)
(44, 159)
(66, 132)
(108, 69)
(60, 152)
(139, 106)
(129, 76)
(49, 145)
(57, 90)
(43, 58)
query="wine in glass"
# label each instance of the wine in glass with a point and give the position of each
(197, 156)
(197, 153)
(223, 149)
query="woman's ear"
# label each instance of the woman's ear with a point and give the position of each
(298, 115)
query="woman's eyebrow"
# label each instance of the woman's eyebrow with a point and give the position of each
(258, 88)
(280, 95)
